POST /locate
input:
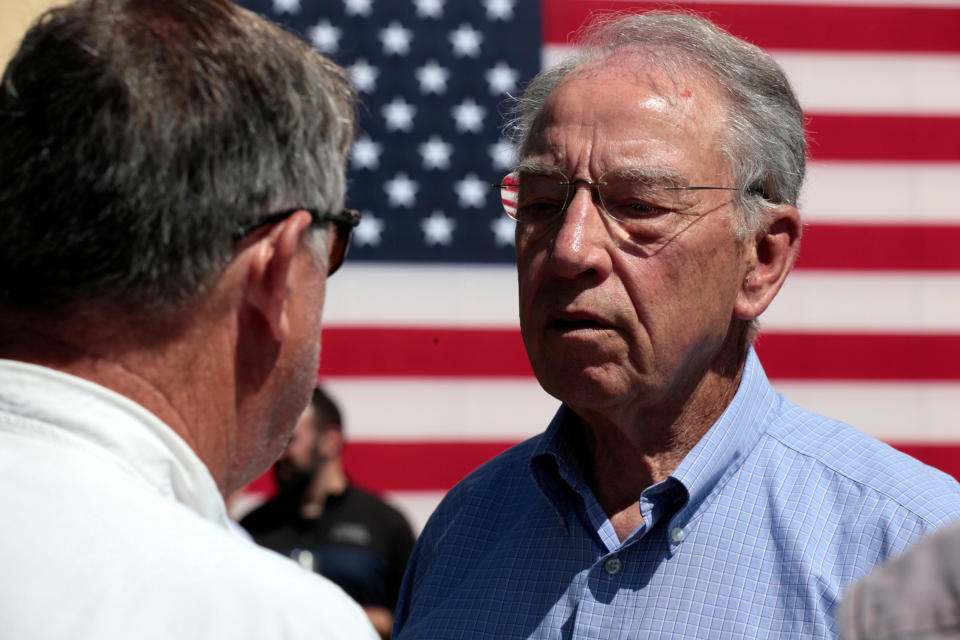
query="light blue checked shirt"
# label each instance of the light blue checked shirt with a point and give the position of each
(755, 535)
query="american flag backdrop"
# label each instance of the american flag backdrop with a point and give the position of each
(421, 340)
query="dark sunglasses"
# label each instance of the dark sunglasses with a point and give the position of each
(343, 224)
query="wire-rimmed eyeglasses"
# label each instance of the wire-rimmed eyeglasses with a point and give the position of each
(343, 224)
(535, 197)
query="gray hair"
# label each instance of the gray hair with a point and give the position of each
(137, 137)
(764, 144)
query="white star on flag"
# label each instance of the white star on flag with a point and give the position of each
(396, 39)
(365, 153)
(499, 9)
(358, 7)
(503, 230)
(432, 78)
(286, 6)
(466, 41)
(469, 116)
(398, 114)
(429, 8)
(502, 155)
(436, 153)
(501, 78)
(438, 228)
(368, 231)
(364, 75)
(325, 37)
(401, 190)
(472, 191)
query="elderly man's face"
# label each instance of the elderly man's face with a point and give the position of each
(616, 314)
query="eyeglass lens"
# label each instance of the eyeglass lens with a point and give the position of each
(535, 197)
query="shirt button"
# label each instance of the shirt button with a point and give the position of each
(676, 534)
(613, 566)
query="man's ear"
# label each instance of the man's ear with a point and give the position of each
(270, 259)
(774, 250)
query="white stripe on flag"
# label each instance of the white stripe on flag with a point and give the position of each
(859, 302)
(878, 193)
(443, 409)
(921, 84)
(513, 410)
(892, 411)
(486, 296)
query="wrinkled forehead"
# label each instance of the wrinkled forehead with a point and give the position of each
(626, 94)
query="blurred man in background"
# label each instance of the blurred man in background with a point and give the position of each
(915, 596)
(328, 525)
(173, 177)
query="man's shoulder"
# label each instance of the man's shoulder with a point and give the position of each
(374, 508)
(493, 493)
(164, 569)
(277, 510)
(851, 457)
(230, 583)
(368, 500)
(503, 472)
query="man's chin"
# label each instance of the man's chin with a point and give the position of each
(588, 385)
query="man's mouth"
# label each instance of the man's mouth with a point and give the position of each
(577, 321)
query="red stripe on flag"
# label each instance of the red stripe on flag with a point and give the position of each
(880, 247)
(860, 357)
(791, 26)
(408, 351)
(438, 466)
(446, 352)
(417, 466)
(884, 137)
(945, 457)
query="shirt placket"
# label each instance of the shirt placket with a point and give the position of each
(601, 610)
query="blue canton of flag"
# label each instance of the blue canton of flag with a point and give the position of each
(433, 76)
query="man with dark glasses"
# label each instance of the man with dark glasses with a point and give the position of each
(172, 204)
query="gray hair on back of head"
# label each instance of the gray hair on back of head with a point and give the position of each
(764, 144)
(137, 137)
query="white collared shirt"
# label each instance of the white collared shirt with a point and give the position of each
(112, 527)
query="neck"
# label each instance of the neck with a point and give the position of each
(629, 450)
(160, 373)
(329, 480)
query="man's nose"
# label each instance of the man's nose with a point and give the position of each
(582, 242)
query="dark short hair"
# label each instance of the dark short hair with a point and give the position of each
(327, 412)
(137, 136)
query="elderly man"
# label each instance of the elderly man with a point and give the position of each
(675, 494)
(171, 193)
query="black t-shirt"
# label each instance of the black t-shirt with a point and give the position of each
(359, 542)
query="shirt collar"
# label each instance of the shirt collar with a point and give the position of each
(721, 451)
(716, 457)
(555, 464)
(47, 402)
